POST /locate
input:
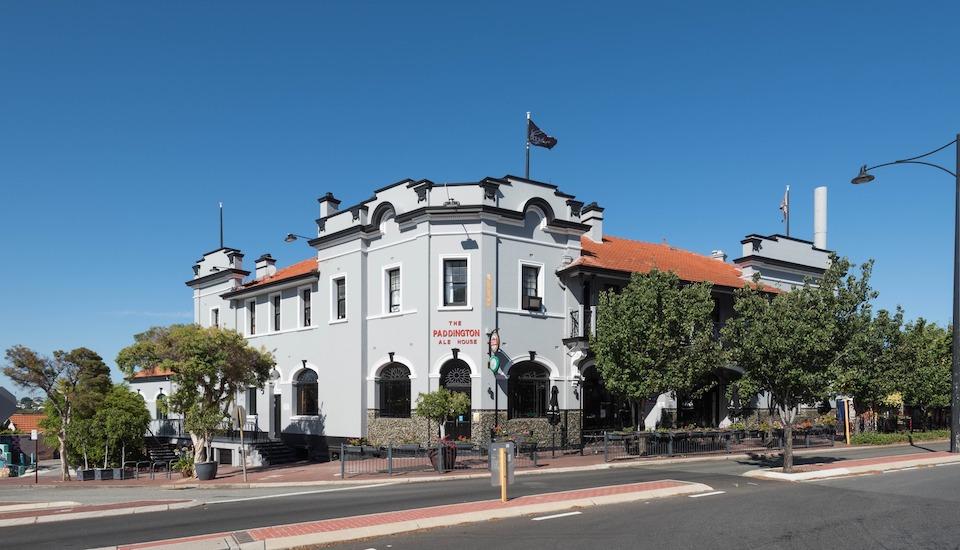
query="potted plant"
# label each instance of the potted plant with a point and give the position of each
(440, 406)
(184, 464)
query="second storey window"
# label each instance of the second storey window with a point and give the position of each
(530, 288)
(455, 282)
(393, 282)
(340, 298)
(252, 317)
(276, 312)
(305, 303)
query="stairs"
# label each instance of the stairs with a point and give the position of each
(273, 451)
(158, 451)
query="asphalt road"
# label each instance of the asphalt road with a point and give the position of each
(916, 509)
(233, 510)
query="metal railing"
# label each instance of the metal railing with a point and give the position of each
(398, 459)
(620, 445)
(582, 322)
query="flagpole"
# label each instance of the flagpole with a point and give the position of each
(527, 131)
(788, 211)
(221, 225)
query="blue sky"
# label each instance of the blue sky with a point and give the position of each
(123, 124)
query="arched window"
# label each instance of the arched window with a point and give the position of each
(527, 391)
(161, 406)
(394, 385)
(306, 393)
(455, 376)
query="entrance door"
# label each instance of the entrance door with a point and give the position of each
(455, 376)
(276, 417)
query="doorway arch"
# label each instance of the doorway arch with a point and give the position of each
(455, 376)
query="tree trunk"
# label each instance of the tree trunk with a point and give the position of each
(106, 453)
(199, 449)
(633, 414)
(443, 428)
(64, 466)
(787, 416)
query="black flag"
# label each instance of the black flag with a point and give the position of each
(536, 136)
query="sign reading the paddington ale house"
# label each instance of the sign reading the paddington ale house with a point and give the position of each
(455, 334)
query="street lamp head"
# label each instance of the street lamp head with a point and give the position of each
(862, 177)
(289, 238)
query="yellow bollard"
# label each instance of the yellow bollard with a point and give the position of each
(502, 457)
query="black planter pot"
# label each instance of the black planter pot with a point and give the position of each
(449, 457)
(205, 470)
(103, 474)
(86, 475)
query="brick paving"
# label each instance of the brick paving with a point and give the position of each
(384, 518)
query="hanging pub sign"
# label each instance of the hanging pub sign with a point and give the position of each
(493, 344)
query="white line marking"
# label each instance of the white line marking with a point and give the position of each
(707, 494)
(752, 483)
(281, 495)
(555, 516)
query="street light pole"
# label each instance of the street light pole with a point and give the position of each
(955, 379)
(865, 177)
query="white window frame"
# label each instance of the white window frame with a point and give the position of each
(246, 316)
(540, 287)
(273, 312)
(210, 318)
(385, 290)
(301, 318)
(441, 283)
(333, 298)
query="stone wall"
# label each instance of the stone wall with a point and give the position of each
(531, 429)
(381, 431)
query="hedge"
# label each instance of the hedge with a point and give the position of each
(875, 438)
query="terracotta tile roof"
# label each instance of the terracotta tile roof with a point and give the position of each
(619, 254)
(294, 270)
(152, 371)
(24, 422)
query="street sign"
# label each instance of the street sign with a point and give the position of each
(33, 435)
(8, 404)
(495, 463)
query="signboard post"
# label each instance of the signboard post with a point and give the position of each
(493, 348)
(241, 418)
(34, 436)
(501, 466)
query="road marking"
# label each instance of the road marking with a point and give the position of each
(752, 483)
(555, 516)
(707, 494)
(281, 495)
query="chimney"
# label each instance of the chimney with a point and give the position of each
(329, 205)
(719, 255)
(592, 215)
(820, 218)
(266, 266)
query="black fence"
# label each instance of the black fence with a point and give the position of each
(620, 445)
(399, 459)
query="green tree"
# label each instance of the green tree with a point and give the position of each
(925, 359)
(26, 403)
(442, 405)
(123, 420)
(870, 371)
(67, 381)
(210, 366)
(791, 345)
(656, 336)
